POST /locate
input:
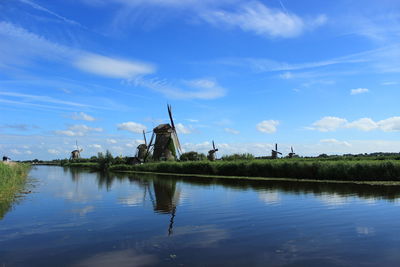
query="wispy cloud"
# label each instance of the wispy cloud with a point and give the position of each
(78, 130)
(231, 131)
(18, 126)
(43, 9)
(256, 17)
(21, 47)
(329, 124)
(359, 91)
(188, 89)
(82, 116)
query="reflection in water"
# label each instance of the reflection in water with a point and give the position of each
(81, 218)
(166, 199)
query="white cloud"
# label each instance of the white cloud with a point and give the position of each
(53, 151)
(131, 127)
(359, 91)
(231, 131)
(78, 130)
(112, 67)
(335, 142)
(82, 116)
(96, 146)
(390, 124)
(267, 126)
(257, 18)
(327, 124)
(111, 141)
(363, 124)
(182, 129)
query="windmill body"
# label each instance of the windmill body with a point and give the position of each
(291, 154)
(166, 143)
(212, 153)
(76, 154)
(142, 150)
(274, 153)
(164, 147)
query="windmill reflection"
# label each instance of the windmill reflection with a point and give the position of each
(165, 199)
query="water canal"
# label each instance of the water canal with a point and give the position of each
(78, 218)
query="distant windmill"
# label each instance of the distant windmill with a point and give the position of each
(291, 154)
(142, 150)
(76, 154)
(212, 153)
(166, 145)
(274, 153)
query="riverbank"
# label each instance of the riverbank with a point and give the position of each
(12, 181)
(340, 170)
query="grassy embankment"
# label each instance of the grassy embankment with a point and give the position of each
(12, 181)
(302, 168)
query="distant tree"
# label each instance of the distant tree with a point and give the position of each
(244, 156)
(192, 156)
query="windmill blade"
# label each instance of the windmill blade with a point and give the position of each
(291, 148)
(176, 142)
(279, 152)
(144, 136)
(170, 116)
(213, 144)
(77, 148)
(148, 148)
(276, 147)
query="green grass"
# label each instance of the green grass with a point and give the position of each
(12, 181)
(340, 170)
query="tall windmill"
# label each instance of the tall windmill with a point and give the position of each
(76, 154)
(212, 153)
(274, 153)
(166, 145)
(291, 154)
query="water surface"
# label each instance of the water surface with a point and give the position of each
(78, 218)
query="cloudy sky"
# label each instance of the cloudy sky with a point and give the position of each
(321, 76)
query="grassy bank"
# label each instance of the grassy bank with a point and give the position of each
(12, 181)
(362, 170)
(316, 169)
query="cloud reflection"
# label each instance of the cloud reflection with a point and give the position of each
(119, 258)
(270, 197)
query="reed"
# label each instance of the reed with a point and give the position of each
(12, 181)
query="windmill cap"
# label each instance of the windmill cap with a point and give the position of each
(163, 128)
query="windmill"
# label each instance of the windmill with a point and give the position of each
(212, 152)
(142, 150)
(291, 154)
(76, 154)
(274, 153)
(166, 143)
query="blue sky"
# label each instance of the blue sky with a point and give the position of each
(321, 76)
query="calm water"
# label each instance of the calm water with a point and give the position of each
(77, 218)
